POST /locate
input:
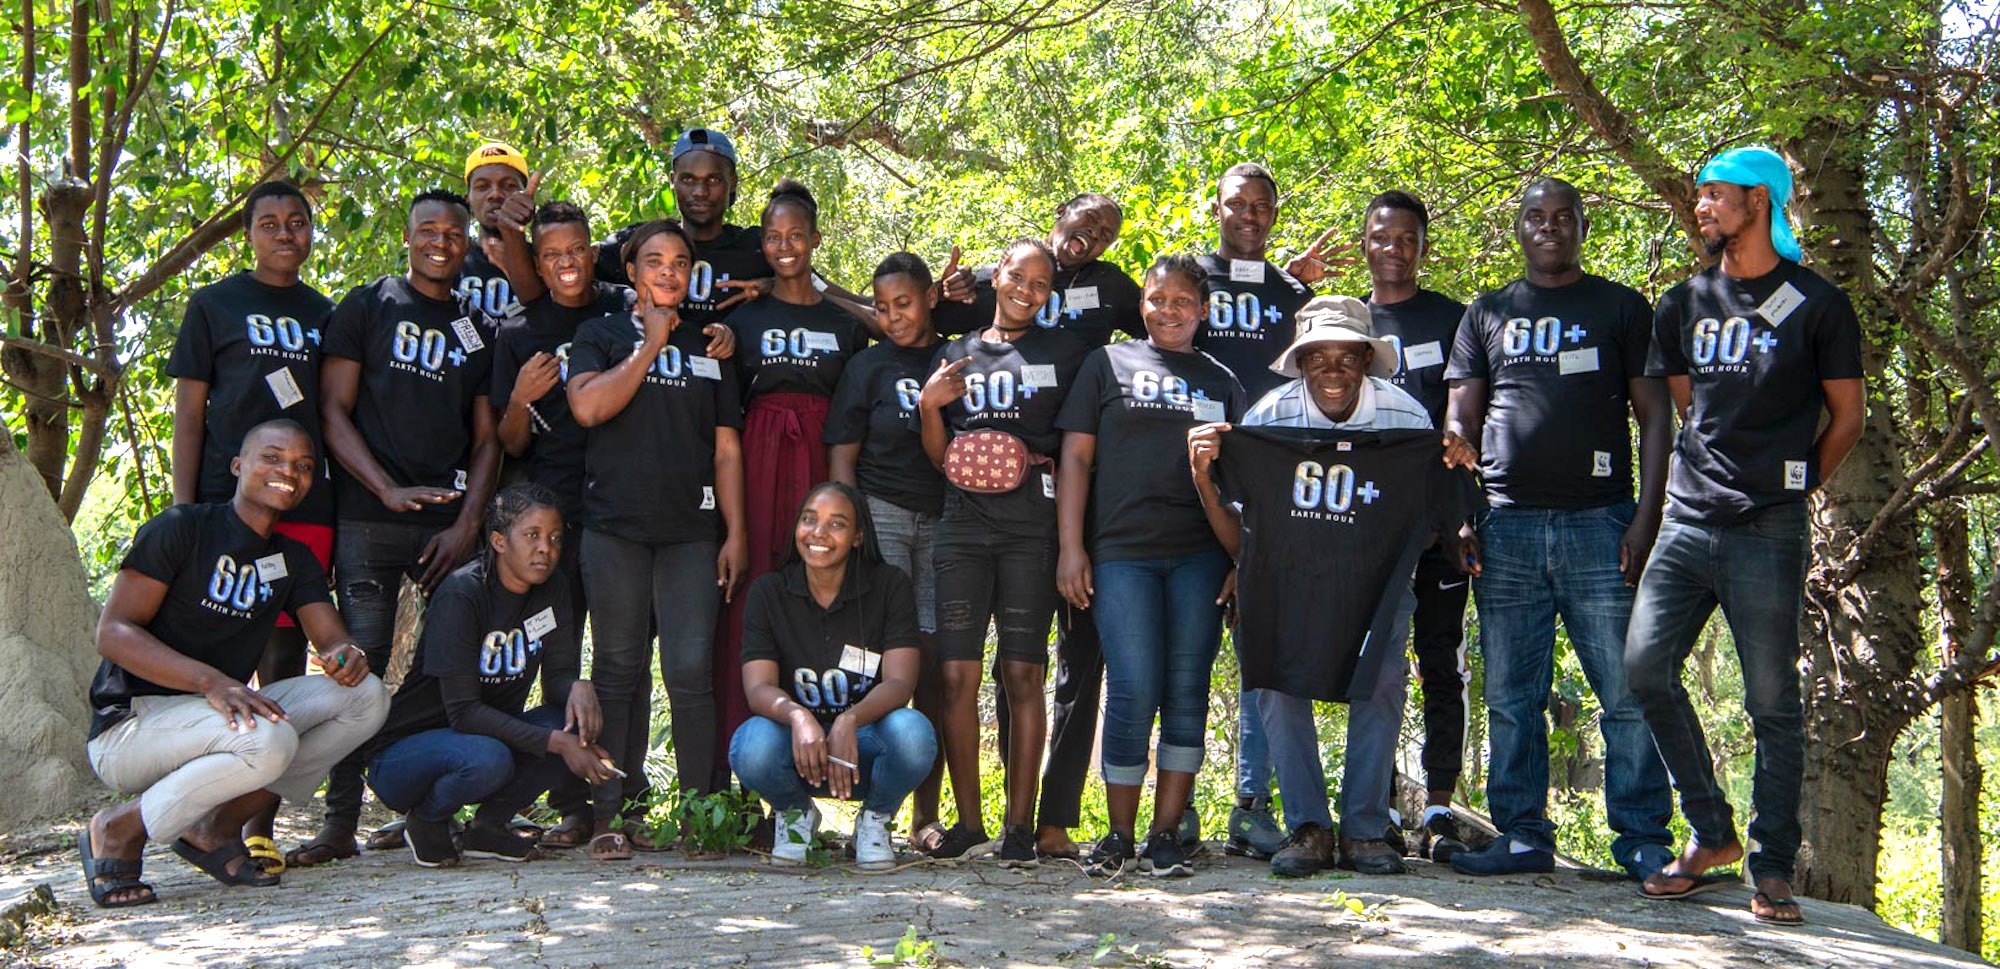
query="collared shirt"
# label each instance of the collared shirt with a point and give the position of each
(829, 658)
(1383, 407)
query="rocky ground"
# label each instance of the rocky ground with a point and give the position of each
(659, 910)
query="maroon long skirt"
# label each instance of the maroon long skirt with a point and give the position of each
(782, 460)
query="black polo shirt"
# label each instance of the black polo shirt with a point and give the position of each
(829, 658)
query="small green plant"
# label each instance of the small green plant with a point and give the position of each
(910, 950)
(719, 822)
(1355, 906)
(1109, 953)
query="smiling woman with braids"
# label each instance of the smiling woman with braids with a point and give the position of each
(458, 731)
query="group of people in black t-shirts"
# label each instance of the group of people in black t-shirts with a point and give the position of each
(819, 503)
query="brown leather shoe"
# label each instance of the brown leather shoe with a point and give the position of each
(1370, 857)
(1307, 852)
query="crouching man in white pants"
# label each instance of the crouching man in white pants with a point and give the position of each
(186, 622)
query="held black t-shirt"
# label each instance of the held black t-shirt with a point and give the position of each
(1333, 524)
(1018, 388)
(1425, 327)
(1754, 352)
(423, 364)
(485, 286)
(649, 471)
(876, 407)
(1092, 302)
(1556, 362)
(257, 347)
(225, 587)
(828, 659)
(556, 440)
(737, 253)
(792, 348)
(1251, 305)
(481, 649)
(1140, 401)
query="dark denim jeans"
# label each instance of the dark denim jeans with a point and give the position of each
(370, 559)
(1160, 628)
(636, 589)
(1540, 563)
(430, 775)
(896, 752)
(1756, 572)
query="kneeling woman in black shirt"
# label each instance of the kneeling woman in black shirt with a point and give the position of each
(830, 656)
(458, 731)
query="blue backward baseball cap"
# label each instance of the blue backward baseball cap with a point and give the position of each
(704, 139)
(1753, 166)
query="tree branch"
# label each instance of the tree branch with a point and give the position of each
(70, 357)
(1611, 124)
(222, 224)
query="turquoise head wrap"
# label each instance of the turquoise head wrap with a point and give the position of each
(1754, 166)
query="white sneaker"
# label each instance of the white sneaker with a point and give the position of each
(794, 834)
(871, 841)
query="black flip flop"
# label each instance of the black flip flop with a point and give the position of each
(119, 874)
(215, 864)
(1702, 884)
(1775, 903)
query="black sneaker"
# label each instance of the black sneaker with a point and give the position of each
(482, 841)
(1394, 838)
(1190, 829)
(1441, 838)
(1017, 847)
(959, 841)
(1165, 857)
(430, 842)
(1109, 858)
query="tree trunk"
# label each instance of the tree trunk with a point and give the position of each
(1862, 638)
(1962, 922)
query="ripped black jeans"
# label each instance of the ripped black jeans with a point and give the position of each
(370, 559)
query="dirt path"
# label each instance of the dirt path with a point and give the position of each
(381, 910)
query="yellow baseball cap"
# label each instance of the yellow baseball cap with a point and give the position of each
(496, 153)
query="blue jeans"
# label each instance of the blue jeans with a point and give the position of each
(1541, 562)
(1253, 750)
(1756, 572)
(430, 775)
(1374, 726)
(1160, 628)
(896, 752)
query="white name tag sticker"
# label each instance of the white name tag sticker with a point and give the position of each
(1207, 411)
(284, 387)
(271, 567)
(827, 342)
(468, 335)
(1343, 445)
(862, 662)
(1423, 355)
(1048, 486)
(1577, 361)
(540, 624)
(458, 481)
(1080, 298)
(706, 368)
(1038, 375)
(1246, 271)
(1781, 304)
(707, 497)
(1795, 473)
(1600, 464)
